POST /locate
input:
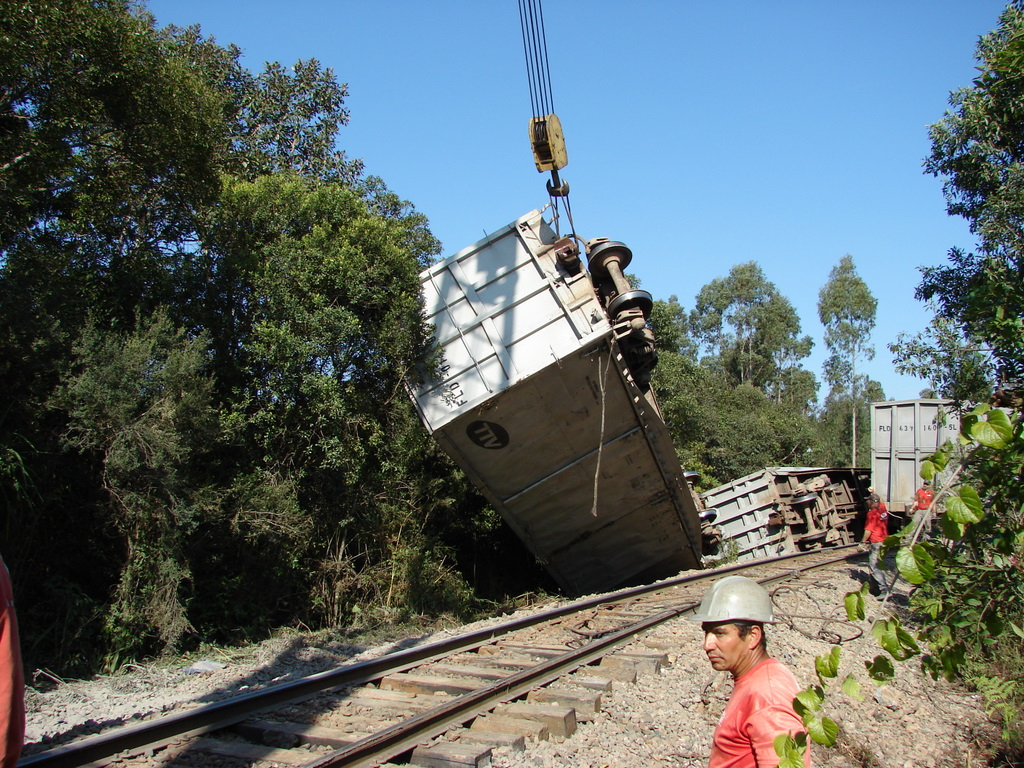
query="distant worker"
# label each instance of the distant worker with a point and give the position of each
(876, 528)
(733, 614)
(921, 504)
(923, 497)
(12, 681)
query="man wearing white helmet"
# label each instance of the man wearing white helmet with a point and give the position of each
(733, 614)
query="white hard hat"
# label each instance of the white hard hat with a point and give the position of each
(735, 598)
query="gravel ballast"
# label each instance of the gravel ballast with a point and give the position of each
(662, 719)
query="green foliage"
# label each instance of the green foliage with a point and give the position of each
(964, 507)
(971, 592)
(287, 120)
(139, 403)
(852, 688)
(880, 669)
(724, 428)
(915, 564)
(827, 666)
(790, 749)
(810, 702)
(669, 324)
(750, 328)
(128, 117)
(994, 431)
(970, 595)
(748, 403)
(977, 150)
(854, 603)
(847, 310)
(207, 317)
(1001, 682)
(836, 423)
(953, 364)
(1002, 698)
(895, 640)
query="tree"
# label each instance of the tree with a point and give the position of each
(956, 367)
(720, 428)
(970, 589)
(668, 322)
(98, 113)
(139, 402)
(847, 310)
(207, 317)
(835, 422)
(978, 149)
(110, 142)
(752, 330)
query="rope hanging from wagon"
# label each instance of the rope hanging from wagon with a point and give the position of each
(603, 379)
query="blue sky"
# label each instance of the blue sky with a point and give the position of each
(701, 135)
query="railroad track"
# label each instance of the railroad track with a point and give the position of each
(446, 703)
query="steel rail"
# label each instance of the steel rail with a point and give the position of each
(211, 717)
(401, 737)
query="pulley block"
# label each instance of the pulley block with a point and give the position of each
(548, 143)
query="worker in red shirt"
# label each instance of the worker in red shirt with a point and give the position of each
(923, 497)
(922, 505)
(12, 681)
(733, 614)
(876, 528)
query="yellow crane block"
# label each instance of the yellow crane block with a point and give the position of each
(548, 143)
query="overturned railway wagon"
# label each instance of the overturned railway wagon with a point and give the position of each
(780, 510)
(544, 401)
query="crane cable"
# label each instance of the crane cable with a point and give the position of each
(538, 71)
(545, 129)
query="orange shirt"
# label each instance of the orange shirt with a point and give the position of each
(12, 685)
(760, 708)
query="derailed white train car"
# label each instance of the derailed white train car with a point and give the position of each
(544, 401)
(781, 510)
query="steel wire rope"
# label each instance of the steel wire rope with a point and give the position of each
(547, 64)
(556, 218)
(535, 48)
(835, 637)
(568, 213)
(538, 75)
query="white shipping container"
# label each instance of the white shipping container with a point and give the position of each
(903, 434)
(537, 405)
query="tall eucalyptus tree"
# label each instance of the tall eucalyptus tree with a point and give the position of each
(847, 309)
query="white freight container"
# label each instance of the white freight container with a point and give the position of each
(780, 510)
(903, 434)
(536, 403)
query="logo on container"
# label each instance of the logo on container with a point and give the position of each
(488, 435)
